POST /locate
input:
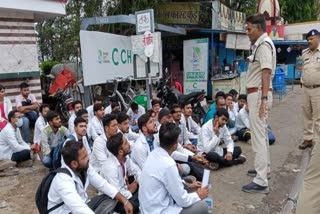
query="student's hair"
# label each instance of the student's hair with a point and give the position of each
(121, 117)
(134, 106)
(163, 112)
(97, 98)
(97, 107)
(258, 20)
(242, 97)
(220, 94)
(114, 143)
(2, 87)
(184, 104)
(24, 85)
(174, 106)
(11, 115)
(229, 95)
(154, 102)
(222, 112)
(51, 115)
(79, 120)
(114, 99)
(169, 134)
(233, 92)
(43, 106)
(108, 118)
(81, 112)
(143, 119)
(114, 104)
(75, 103)
(70, 151)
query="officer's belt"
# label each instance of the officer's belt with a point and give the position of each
(311, 86)
(254, 89)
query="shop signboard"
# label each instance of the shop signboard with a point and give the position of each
(183, 13)
(195, 64)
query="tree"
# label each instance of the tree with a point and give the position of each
(299, 10)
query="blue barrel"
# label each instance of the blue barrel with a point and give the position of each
(279, 81)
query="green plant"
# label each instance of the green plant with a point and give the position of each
(46, 66)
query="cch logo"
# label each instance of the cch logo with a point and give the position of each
(118, 56)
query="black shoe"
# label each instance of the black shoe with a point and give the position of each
(214, 166)
(241, 159)
(255, 188)
(253, 173)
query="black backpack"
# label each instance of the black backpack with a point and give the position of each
(43, 190)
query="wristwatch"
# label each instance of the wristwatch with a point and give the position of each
(264, 97)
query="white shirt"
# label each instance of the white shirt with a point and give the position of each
(90, 111)
(194, 129)
(91, 132)
(161, 189)
(100, 152)
(141, 150)
(113, 173)
(72, 192)
(243, 119)
(97, 126)
(236, 106)
(108, 110)
(38, 128)
(135, 117)
(11, 142)
(233, 116)
(183, 137)
(71, 123)
(209, 141)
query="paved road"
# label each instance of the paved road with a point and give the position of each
(286, 122)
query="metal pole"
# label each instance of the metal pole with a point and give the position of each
(148, 82)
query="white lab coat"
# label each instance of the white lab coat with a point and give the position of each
(97, 126)
(112, 172)
(194, 128)
(100, 152)
(11, 142)
(90, 111)
(38, 128)
(243, 119)
(72, 192)
(71, 123)
(209, 141)
(161, 189)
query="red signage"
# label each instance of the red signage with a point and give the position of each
(275, 32)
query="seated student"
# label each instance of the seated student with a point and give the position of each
(192, 127)
(161, 189)
(242, 100)
(41, 122)
(100, 152)
(232, 115)
(211, 134)
(5, 107)
(183, 138)
(108, 109)
(124, 127)
(76, 106)
(12, 146)
(134, 112)
(96, 100)
(71, 190)
(96, 121)
(243, 127)
(155, 106)
(234, 95)
(220, 97)
(91, 134)
(146, 142)
(52, 135)
(119, 168)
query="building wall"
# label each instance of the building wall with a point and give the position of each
(19, 58)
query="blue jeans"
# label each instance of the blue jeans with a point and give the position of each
(47, 161)
(26, 129)
(194, 141)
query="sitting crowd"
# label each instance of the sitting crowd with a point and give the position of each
(152, 161)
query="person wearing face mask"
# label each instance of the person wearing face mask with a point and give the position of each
(210, 137)
(12, 146)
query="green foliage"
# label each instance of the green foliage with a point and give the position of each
(299, 10)
(47, 65)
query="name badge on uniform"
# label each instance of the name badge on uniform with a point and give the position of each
(306, 61)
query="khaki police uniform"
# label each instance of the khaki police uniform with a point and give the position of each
(309, 198)
(263, 57)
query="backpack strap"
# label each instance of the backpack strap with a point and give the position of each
(65, 171)
(254, 56)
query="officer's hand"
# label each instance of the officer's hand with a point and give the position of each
(263, 107)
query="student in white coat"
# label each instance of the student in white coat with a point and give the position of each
(100, 152)
(209, 143)
(192, 127)
(96, 100)
(161, 189)
(5, 107)
(41, 123)
(119, 169)
(76, 106)
(134, 112)
(70, 191)
(124, 127)
(146, 142)
(96, 121)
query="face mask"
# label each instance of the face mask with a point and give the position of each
(19, 122)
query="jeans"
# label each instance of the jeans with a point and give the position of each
(216, 158)
(194, 141)
(26, 129)
(21, 156)
(47, 161)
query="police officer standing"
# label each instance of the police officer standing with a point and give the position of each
(262, 64)
(309, 198)
(310, 80)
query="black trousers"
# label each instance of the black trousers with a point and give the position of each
(21, 156)
(244, 134)
(134, 200)
(216, 158)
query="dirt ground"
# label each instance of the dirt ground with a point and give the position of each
(286, 122)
